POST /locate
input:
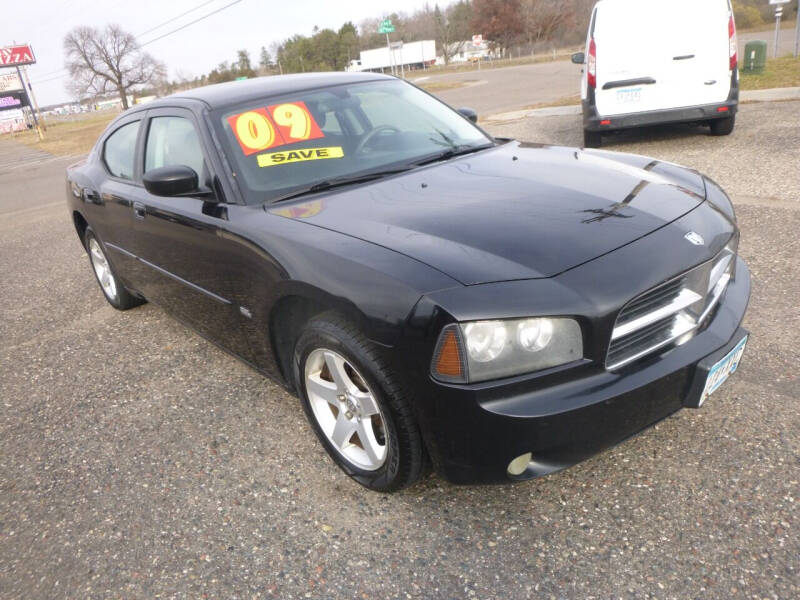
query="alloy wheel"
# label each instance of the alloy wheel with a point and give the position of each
(102, 269)
(345, 409)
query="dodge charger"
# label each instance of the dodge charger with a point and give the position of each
(437, 298)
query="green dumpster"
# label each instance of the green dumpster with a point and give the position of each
(755, 56)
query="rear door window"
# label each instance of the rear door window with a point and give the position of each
(119, 153)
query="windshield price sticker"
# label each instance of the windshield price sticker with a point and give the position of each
(302, 155)
(274, 126)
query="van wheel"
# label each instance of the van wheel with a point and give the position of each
(722, 126)
(592, 139)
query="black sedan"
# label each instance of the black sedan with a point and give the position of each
(436, 297)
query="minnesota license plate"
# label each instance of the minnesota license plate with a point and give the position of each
(720, 372)
(629, 96)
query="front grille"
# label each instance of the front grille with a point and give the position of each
(669, 314)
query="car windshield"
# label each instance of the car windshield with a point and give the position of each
(287, 144)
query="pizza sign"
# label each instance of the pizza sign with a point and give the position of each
(14, 56)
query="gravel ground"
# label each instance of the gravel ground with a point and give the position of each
(138, 461)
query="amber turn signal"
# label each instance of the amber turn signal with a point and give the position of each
(448, 361)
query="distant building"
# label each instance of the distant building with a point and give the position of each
(13, 120)
(468, 51)
(111, 103)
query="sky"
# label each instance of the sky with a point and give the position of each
(195, 50)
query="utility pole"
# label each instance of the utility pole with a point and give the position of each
(33, 98)
(797, 32)
(28, 100)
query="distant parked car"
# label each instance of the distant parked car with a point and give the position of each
(651, 62)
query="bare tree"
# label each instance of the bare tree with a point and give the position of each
(452, 28)
(103, 61)
(499, 21)
(544, 19)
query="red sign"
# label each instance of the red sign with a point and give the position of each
(12, 56)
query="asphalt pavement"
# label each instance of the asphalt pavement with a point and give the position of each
(139, 461)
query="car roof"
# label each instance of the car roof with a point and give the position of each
(233, 92)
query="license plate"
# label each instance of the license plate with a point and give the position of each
(629, 96)
(720, 372)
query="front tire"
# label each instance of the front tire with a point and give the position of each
(114, 291)
(356, 405)
(723, 126)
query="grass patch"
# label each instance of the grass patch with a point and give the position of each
(441, 86)
(779, 72)
(497, 63)
(68, 137)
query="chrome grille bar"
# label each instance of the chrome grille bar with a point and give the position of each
(670, 313)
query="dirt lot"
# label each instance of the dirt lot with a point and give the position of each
(138, 461)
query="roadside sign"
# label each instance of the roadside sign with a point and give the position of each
(779, 1)
(396, 45)
(12, 100)
(10, 82)
(477, 39)
(386, 26)
(15, 56)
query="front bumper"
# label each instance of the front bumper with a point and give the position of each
(474, 431)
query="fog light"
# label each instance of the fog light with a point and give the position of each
(519, 464)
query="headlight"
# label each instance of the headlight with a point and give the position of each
(483, 350)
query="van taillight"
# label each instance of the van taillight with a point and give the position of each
(591, 65)
(732, 41)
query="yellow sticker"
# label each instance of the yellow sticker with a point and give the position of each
(291, 156)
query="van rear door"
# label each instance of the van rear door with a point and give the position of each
(654, 55)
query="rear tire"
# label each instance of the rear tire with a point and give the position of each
(723, 126)
(349, 392)
(114, 291)
(592, 139)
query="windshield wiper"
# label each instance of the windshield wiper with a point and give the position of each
(451, 153)
(328, 184)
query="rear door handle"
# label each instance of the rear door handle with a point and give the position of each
(139, 210)
(684, 57)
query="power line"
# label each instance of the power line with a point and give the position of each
(158, 27)
(183, 14)
(191, 23)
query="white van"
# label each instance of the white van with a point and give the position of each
(659, 61)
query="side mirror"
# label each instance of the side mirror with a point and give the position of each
(468, 113)
(175, 180)
(579, 58)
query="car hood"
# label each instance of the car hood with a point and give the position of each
(516, 211)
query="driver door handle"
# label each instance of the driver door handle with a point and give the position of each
(139, 210)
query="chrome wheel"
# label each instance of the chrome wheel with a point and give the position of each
(102, 269)
(346, 409)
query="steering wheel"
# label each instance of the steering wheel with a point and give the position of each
(379, 129)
